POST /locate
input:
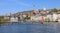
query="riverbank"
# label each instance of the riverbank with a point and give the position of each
(10, 23)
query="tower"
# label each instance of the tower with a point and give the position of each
(44, 9)
(34, 8)
(35, 11)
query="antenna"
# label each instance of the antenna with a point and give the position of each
(34, 8)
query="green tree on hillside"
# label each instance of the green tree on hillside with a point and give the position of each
(54, 10)
(4, 20)
(27, 17)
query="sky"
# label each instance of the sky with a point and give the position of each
(14, 6)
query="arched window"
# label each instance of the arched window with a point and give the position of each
(34, 13)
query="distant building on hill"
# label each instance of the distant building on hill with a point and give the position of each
(39, 15)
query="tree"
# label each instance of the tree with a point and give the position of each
(27, 17)
(59, 10)
(2, 19)
(54, 10)
(47, 19)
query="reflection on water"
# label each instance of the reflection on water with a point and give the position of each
(30, 28)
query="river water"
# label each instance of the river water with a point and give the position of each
(30, 28)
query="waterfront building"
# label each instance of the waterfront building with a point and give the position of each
(35, 15)
(58, 14)
(13, 19)
(50, 17)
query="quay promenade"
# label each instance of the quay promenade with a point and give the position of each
(9, 23)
